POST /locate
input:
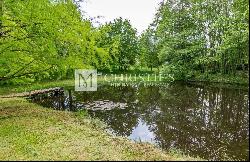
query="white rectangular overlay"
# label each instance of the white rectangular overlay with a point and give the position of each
(85, 80)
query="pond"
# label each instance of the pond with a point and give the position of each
(199, 120)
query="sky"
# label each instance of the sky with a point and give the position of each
(139, 12)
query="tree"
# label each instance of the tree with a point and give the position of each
(203, 37)
(121, 42)
(149, 53)
(176, 32)
(42, 39)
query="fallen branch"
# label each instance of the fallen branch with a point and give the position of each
(36, 92)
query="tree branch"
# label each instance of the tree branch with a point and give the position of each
(24, 74)
(25, 66)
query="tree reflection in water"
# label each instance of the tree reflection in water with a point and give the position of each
(203, 121)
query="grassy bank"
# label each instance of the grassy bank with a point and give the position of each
(215, 80)
(10, 89)
(30, 132)
(239, 79)
(146, 75)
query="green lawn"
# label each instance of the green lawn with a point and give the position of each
(31, 132)
(10, 89)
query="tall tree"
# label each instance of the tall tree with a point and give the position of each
(42, 39)
(122, 42)
(203, 36)
(149, 55)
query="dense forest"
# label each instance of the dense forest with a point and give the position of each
(190, 39)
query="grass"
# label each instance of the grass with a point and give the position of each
(146, 74)
(10, 89)
(239, 79)
(31, 132)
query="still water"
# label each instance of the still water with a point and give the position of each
(199, 120)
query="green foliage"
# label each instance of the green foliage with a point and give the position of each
(48, 39)
(43, 40)
(149, 52)
(81, 113)
(120, 40)
(203, 36)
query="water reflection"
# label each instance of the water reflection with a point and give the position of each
(203, 121)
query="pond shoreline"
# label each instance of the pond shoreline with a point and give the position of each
(35, 92)
(43, 87)
(40, 129)
(6, 90)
